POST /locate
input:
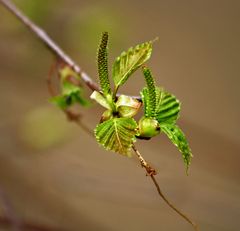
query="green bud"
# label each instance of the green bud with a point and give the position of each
(148, 127)
(106, 115)
(127, 106)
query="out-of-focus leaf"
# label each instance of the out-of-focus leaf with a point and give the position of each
(65, 101)
(44, 127)
(117, 134)
(93, 20)
(70, 93)
(37, 10)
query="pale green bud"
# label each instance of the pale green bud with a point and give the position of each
(106, 115)
(127, 106)
(148, 127)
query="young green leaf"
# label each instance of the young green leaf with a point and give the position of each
(64, 101)
(103, 65)
(117, 134)
(178, 138)
(167, 107)
(71, 91)
(69, 88)
(60, 101)
(130, 61)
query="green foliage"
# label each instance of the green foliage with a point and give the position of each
(71, 91)
(128, 62)
(118, 130)
(178, 138)
(157, 102)
(103, 65)
(43, 127)
(117, 134)
(167, 107)
(161, 110)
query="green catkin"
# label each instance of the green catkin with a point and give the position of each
(102, 60)
(151, 92)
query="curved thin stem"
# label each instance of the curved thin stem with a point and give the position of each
(11, 215)
(172, 206)
(51, 71)
(52, 46)
(151, 172)
(76, 117)
(27, 226)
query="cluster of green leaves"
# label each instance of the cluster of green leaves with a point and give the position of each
(71, 91)
(118, 130)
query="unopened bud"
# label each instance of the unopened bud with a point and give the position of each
(148, 127)
(127, 106)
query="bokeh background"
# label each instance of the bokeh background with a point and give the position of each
(55, 175)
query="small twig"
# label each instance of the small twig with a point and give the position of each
(151, 172)
(52, 46)
(76, 117)
(9, 211)
(52, 69)
(27, 226)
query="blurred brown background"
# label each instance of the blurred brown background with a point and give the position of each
(54, 174)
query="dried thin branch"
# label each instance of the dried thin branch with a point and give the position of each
(51, 45)
(27, 226)
(151, 172)
(14, 221)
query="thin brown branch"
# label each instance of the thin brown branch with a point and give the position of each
(51, 45)
(14, 221)
(151, 172)
(76, 118)
(27, 226)
(52, 69)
